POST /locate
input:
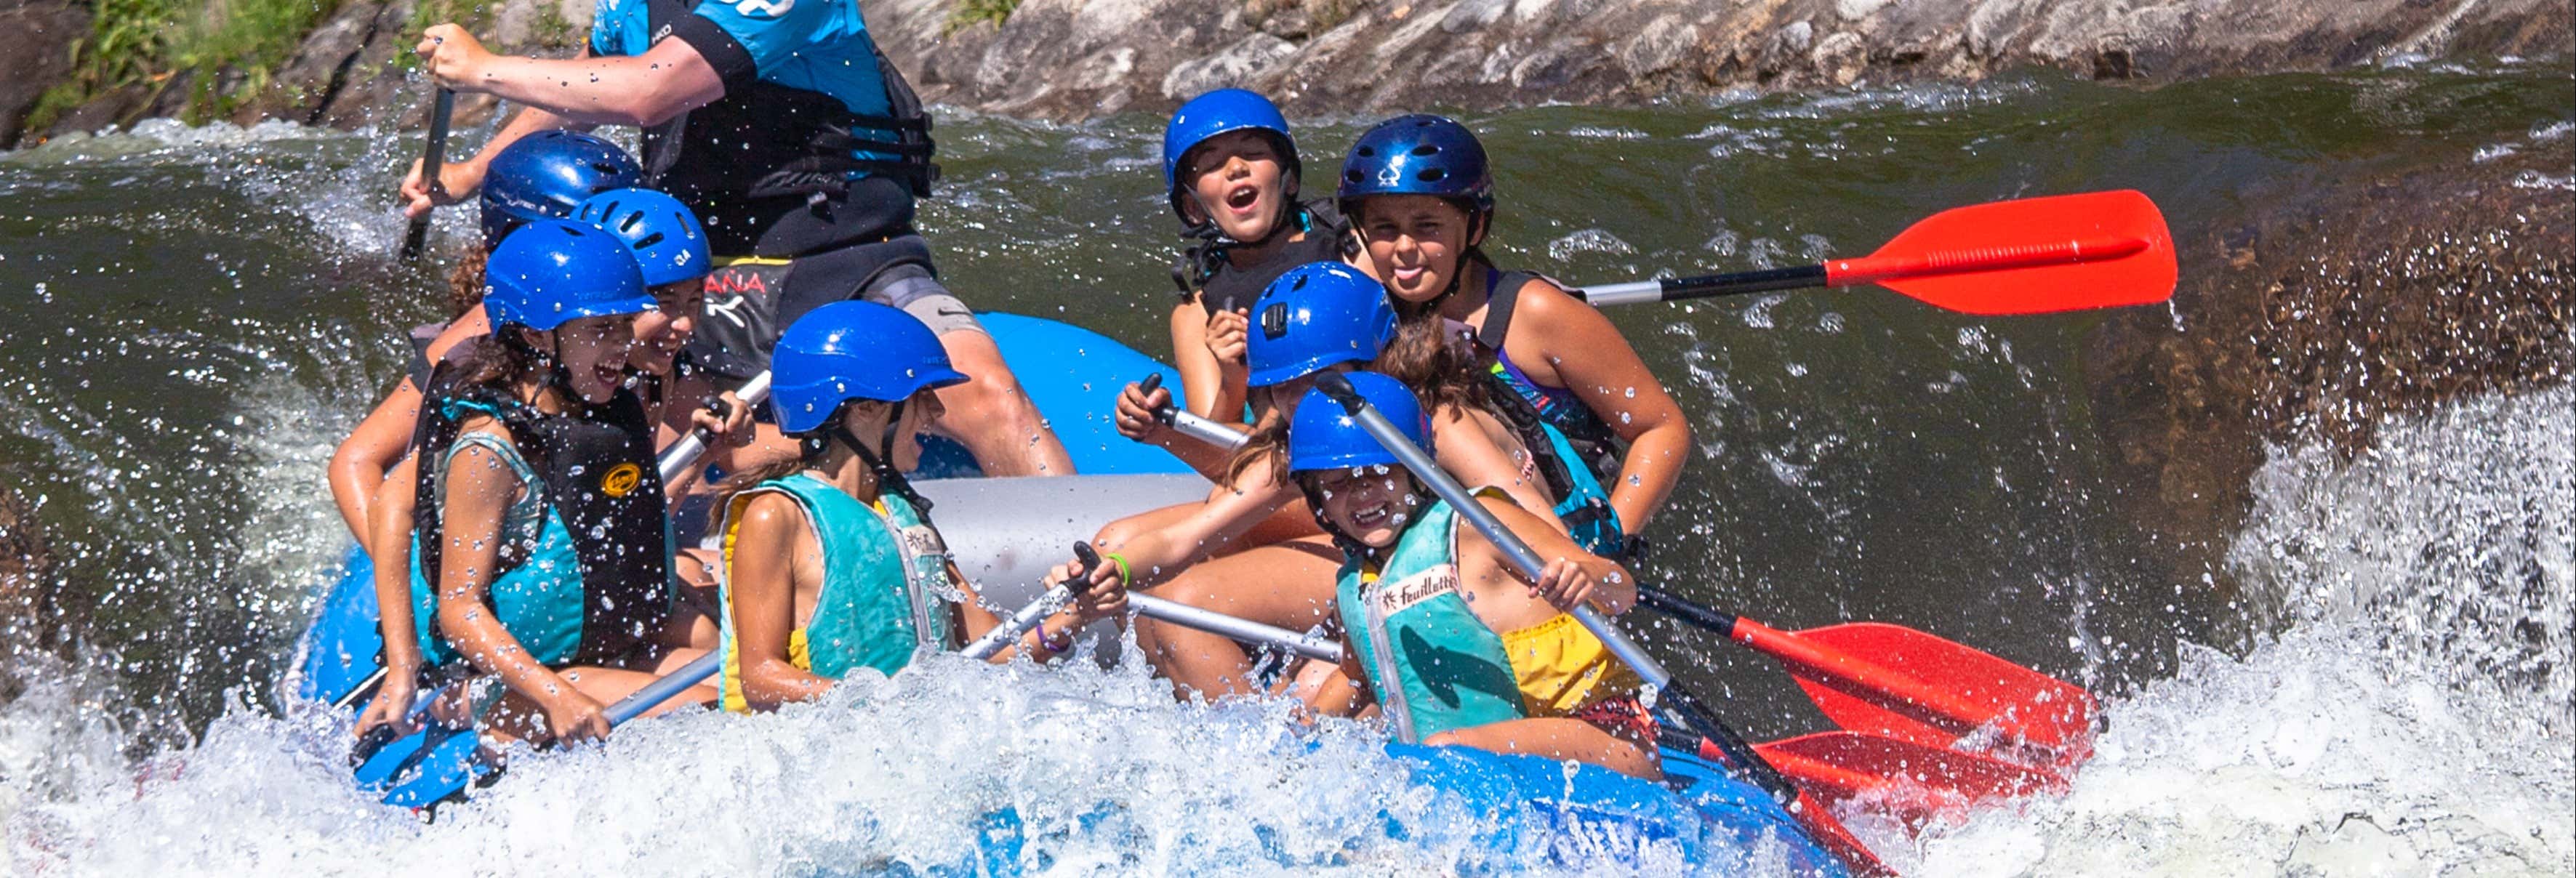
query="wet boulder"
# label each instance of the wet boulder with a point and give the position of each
(36, 39)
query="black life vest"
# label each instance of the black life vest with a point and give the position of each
(1221, 285)
(595, 466)
(767, 166)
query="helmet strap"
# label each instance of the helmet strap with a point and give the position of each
(881, 460)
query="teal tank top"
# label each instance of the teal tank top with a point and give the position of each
(885, 583)
(1434, 666)
(538, 596)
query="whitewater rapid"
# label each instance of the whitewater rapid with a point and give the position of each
(2411, 716)
(2355, 740)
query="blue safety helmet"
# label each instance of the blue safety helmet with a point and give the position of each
(553, 271)
(668, 242)
(852, 350)
(1317, 314)
(1419, 154)
(546, 175)
(1223, 111)
(1325, 436)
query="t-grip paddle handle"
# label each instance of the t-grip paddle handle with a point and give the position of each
(1037, 610)
(1191, 425)
(442, 109)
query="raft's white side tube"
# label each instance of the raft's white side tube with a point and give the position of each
(1007, 533)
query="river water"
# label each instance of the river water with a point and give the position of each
(190, 318)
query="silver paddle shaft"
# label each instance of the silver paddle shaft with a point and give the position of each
(1514, 548)
(1020, 622)
(1213, 622)
(1622, 294)
(1207, 431)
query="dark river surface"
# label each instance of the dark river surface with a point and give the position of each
(190, 319)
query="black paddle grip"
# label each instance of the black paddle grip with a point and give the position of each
(1798, 278)
(1152, 381)
(1090, 558)
(1657, 599)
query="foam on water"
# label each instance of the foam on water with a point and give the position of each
(1099, 770)
(2411, 718)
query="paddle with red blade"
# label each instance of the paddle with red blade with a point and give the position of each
(1890, 680)
(1911, 782)
(2031, 256)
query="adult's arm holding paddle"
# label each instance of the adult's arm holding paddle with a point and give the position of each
(2030, 256)
(641, 90)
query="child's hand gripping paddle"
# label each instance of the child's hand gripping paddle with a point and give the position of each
(2032, 256)
(1191, 425)
(1030, 616)
(1693, 712)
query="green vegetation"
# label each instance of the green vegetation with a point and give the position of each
(150, 43)
(970, 13)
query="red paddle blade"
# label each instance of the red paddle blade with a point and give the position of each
(1911, 782)
(2032, 256)
(1896, 681)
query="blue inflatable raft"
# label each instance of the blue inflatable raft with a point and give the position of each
(1007, 531)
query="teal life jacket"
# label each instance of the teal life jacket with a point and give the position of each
(1434, 666)
(886, 588)
(585, 551)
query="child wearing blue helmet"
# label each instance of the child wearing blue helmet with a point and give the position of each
(1453, 644)
(536, 178)
(1230, 172)
(833, 562)
(1235, 552)
(539, 554)
(1604, 435)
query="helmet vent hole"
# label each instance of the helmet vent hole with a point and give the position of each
(1351, 176)
(1427, 149)
(631, 219)
(1368, 152)
(647, 242)
(1433, 175)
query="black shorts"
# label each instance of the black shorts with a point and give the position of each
(750, 301)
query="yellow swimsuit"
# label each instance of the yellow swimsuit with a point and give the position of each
(1562, 669)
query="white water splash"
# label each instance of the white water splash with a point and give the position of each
(2413, 718)
(1104, 774)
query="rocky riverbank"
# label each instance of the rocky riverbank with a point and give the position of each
(2321, 311)
(1073, 59)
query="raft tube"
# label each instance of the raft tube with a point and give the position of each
(1006, 533)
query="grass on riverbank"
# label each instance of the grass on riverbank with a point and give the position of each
(970, 13)
(151, 43)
